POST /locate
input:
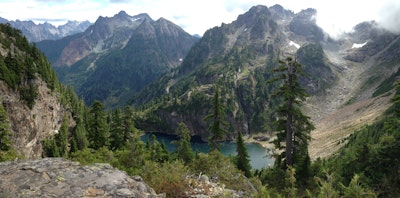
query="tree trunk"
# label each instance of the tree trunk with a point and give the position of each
(289, 120)
(289, 140)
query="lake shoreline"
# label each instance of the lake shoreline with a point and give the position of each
(257, 151)
(261, 139)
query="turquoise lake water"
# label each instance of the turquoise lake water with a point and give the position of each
(258, 155)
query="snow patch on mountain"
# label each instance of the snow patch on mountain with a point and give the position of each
(357, 45)
(135, 19)
(291, 43)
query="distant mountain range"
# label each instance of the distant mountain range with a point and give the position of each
(46, 31)
(117, 56)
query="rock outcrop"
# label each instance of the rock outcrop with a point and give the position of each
(56, 177)
(30, 126)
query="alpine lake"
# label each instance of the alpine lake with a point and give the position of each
(259, 157)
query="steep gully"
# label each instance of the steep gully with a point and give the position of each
(342, 109)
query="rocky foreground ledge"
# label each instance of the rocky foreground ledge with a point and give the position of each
(56, 177)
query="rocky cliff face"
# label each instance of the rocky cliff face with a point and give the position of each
(55, 177)
(30, 126)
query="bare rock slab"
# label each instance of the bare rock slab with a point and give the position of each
(56, 177)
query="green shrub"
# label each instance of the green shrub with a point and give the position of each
(169, 177)
(222, 169)
(91, 156)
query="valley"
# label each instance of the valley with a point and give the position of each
(338, 112)
(101, 95)
(347, 105)
(118, 49)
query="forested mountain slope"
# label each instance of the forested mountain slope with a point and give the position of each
(351, 81)
(116, 56)
(348, 74)
(239, 57)
(34, 104)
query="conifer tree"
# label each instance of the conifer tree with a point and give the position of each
(292, 125)
(7, 152)
(79, 138)
(158, 152)
(184, 149)
(356, 190)
(217, 117)
(98, 132)
(61, 138)
(128, 123)
(243, 161)
(116, 131)
(50, 148)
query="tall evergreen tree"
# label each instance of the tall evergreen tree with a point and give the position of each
(61, 138)
(243, 161)
(116, 131)
(98, 131)
(292, 125)
(217, 117)
(128, 123)
(79, 138)
(184, 149)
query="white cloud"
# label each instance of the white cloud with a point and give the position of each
(198, 16)
(390, 16)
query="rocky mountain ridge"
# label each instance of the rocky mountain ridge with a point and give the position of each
(343, 75)
(239, 57)
(128, 51)
(46, 31)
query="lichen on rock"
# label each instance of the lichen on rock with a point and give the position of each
(57, 177)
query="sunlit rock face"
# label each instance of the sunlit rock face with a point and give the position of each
(30, 126)
(55, 177)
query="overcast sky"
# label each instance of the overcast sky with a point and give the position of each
(197, 16)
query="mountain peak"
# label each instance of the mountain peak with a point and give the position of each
(121, 14)
(280, 13)
(304, 24)
(250, 17)
(258, 9)
(47, 31)
(277, 7)
(164, 21)
(144, 16)
(308, 13)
